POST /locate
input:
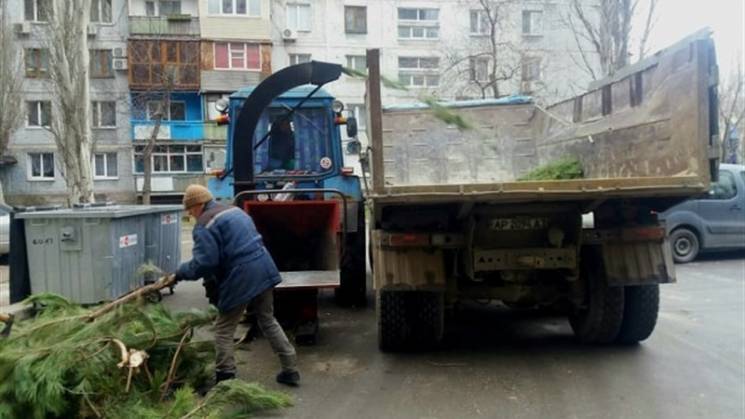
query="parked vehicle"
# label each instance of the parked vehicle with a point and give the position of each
(4, 231)
(714, 222)
(453, 221)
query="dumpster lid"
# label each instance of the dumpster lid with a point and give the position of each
(109, 211)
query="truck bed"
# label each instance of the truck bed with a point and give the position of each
(647, 131)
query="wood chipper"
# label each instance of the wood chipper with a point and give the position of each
(285, 168)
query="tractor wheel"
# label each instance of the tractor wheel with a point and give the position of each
(641, 304)
(599, 320)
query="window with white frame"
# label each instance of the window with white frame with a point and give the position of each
(418, 23)
(100, 65)
(41, 166)
(480, 24)
(210, 100)
(479, 69)
(355, 19)
(237, 55)
(299, 58)
(171, 159)
(37, 62)
(532, 22)
(357, 62)
(105, 166)
(175, 112)
(531, 69)
(150, 8)
(169, 8)
(419, 71)
(37, 10)
(39, 113)
(101, 11)
(250, 8)
(299, 16)
(103, 114)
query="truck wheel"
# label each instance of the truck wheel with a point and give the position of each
(641, 304)
(599, 321)
(353, 287)
(410, 320)
(685, 245)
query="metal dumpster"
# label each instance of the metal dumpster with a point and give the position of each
(92, 254)
(163, 237)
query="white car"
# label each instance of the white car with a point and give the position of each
(4, 231)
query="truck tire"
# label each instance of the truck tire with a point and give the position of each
(410, 320)
(685, 245)
(641, 304)
(600, 320)
(352, 289)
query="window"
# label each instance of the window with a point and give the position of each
(479, 67)
(419, 71)
(298, 16)
(171, 159)
(359, 112)
(175, 112)
(37, 10)
(234, 7)
(210, 101)
(39, 113)
(355, 19)
(299, 58)
(37, 62)
(101, 11)
(41, 166)
(357, 62)
(168, 8)
(237, 56)
(152, 61)
(532, 22)
(418, 23)
(105, 166)
(149, 8)
(103, 114)
(531, 69)
(724, 188)
(480, 24)
(100, 63)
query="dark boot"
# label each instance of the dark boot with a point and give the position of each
(223, 375)
(289, 378)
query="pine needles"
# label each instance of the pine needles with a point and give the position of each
(564, 168)
(60, 364)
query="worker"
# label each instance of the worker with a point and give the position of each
(228, 247)
(281, 145)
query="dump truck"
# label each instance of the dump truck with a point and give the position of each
(460, 212)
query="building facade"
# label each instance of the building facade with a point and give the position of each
(37, 176)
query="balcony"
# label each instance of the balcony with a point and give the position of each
(174, 25)
(214, 132)
(169, 130)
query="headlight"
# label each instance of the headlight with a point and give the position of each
(337, 106)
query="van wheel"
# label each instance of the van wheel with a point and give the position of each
(685, 245)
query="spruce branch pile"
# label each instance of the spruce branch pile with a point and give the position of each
(564, 168)
(136, 360)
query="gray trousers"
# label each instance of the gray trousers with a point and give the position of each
(263, 309)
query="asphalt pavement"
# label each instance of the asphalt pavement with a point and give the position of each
(526, 365)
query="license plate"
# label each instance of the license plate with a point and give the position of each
(525, 223)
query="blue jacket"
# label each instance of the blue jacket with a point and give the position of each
(229, 247)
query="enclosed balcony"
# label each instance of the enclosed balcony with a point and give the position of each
(172, 25)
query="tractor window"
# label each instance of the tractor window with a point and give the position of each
(296, 147)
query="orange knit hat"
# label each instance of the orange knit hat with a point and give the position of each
(195, 195)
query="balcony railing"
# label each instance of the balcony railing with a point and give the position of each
(175, 25)
(169, 130)
(214, 132)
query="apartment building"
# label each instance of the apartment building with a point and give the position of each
(36, 177)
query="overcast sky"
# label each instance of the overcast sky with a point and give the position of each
(726, 18)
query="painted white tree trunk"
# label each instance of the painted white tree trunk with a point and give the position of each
(67, 41)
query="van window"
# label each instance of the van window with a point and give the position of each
(725, 188)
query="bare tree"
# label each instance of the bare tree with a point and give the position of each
(605, 33)
(487, 58)
(11, 81)
(66, 40)
(732, 114)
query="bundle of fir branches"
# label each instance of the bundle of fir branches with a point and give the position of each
(137, 360)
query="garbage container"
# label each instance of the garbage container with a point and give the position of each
(163, 237)
(90, 254)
